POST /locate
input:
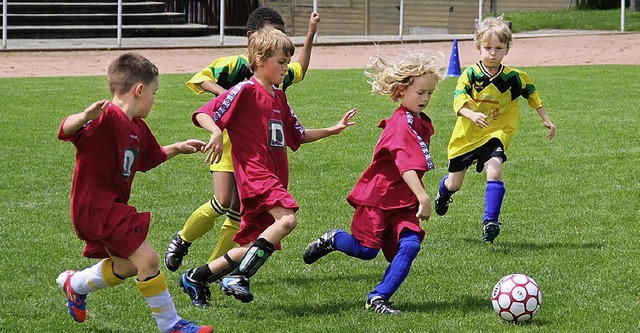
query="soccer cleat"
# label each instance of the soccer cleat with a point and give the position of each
(490, 230)
(319, 247)
(184, 326)
(198, 291)
(178, 248)
(76, 303)
(238, 287)
(381, 305)
(442, 204)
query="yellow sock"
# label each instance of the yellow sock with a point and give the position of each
(202, 220)
(225, 241)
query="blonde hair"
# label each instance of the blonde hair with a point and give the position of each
(493, 26)
(264, 44)
(389, 76)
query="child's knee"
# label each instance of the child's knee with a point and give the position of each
(367, 253)
(288, 222)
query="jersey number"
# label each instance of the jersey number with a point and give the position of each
(276, 134)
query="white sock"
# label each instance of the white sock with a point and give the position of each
(163, 311)
(88, 280)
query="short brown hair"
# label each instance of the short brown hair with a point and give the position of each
(265, 42)
(129, 69)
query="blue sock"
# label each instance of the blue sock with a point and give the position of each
(493, 200)
(350, 246)
(443, 190)
(408, 248)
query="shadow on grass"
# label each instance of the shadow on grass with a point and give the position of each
(508, 246)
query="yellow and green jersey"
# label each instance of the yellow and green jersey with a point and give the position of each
(497, 97)
(231, 70)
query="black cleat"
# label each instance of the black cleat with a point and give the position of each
(319, 247)
(198, 291)
(238, 287)
(442, 204)
(381, 305)
(178, 248)
(490, 230)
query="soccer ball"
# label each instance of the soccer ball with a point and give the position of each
(516, 298)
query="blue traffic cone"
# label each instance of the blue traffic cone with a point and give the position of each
(454, 61)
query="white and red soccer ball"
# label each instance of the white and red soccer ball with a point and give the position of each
(516, 298)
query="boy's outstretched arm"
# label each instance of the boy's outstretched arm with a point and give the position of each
(547, 122)
(424, 202)
(74, 122)
(311, 135)
(214, 147)
(305, 54)
(478, 118)
(185, 147)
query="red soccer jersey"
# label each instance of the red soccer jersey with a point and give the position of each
(109, 151)
(403, 146)
(261, 127)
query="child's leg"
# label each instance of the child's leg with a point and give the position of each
(153, 286)
(229, 228)
(495, 190)
(449, 185)
(408, 248)
(350, 246)
(201, 220)
(76, 285)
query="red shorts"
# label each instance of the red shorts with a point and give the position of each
(380, 229)
(256, 217)
(125, 230)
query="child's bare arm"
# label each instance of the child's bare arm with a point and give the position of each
(185, 147)
(76, 121)
(305, 54)
(478, 118)
(214, 147)
(547, 122)
(311, 135)
(424, 202)
(212, 87)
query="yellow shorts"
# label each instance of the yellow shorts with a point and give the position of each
(225, 164)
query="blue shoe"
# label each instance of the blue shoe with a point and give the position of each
(238, 287)
(319, 247)
(76, 303)
(490, 230)
(184, 326)
(198, 291)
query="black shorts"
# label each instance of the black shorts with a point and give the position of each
(493, 148)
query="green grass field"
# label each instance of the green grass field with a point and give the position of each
(573, 20)
(570, 214)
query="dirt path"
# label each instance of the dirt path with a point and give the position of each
(530, 51)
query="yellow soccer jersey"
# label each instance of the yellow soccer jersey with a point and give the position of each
(231, 70)
(497, 97)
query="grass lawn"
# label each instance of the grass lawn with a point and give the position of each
(570, 214)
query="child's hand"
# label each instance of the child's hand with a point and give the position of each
(191, 146)
(313, 22)
(94, 110)
(479, 118)
(344, 122)
(214, 147)
(552, 129)
(424, 209)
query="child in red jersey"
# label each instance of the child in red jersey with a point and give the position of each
(389, 198)
(261, 125)
(222, 74)
(112, 143)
